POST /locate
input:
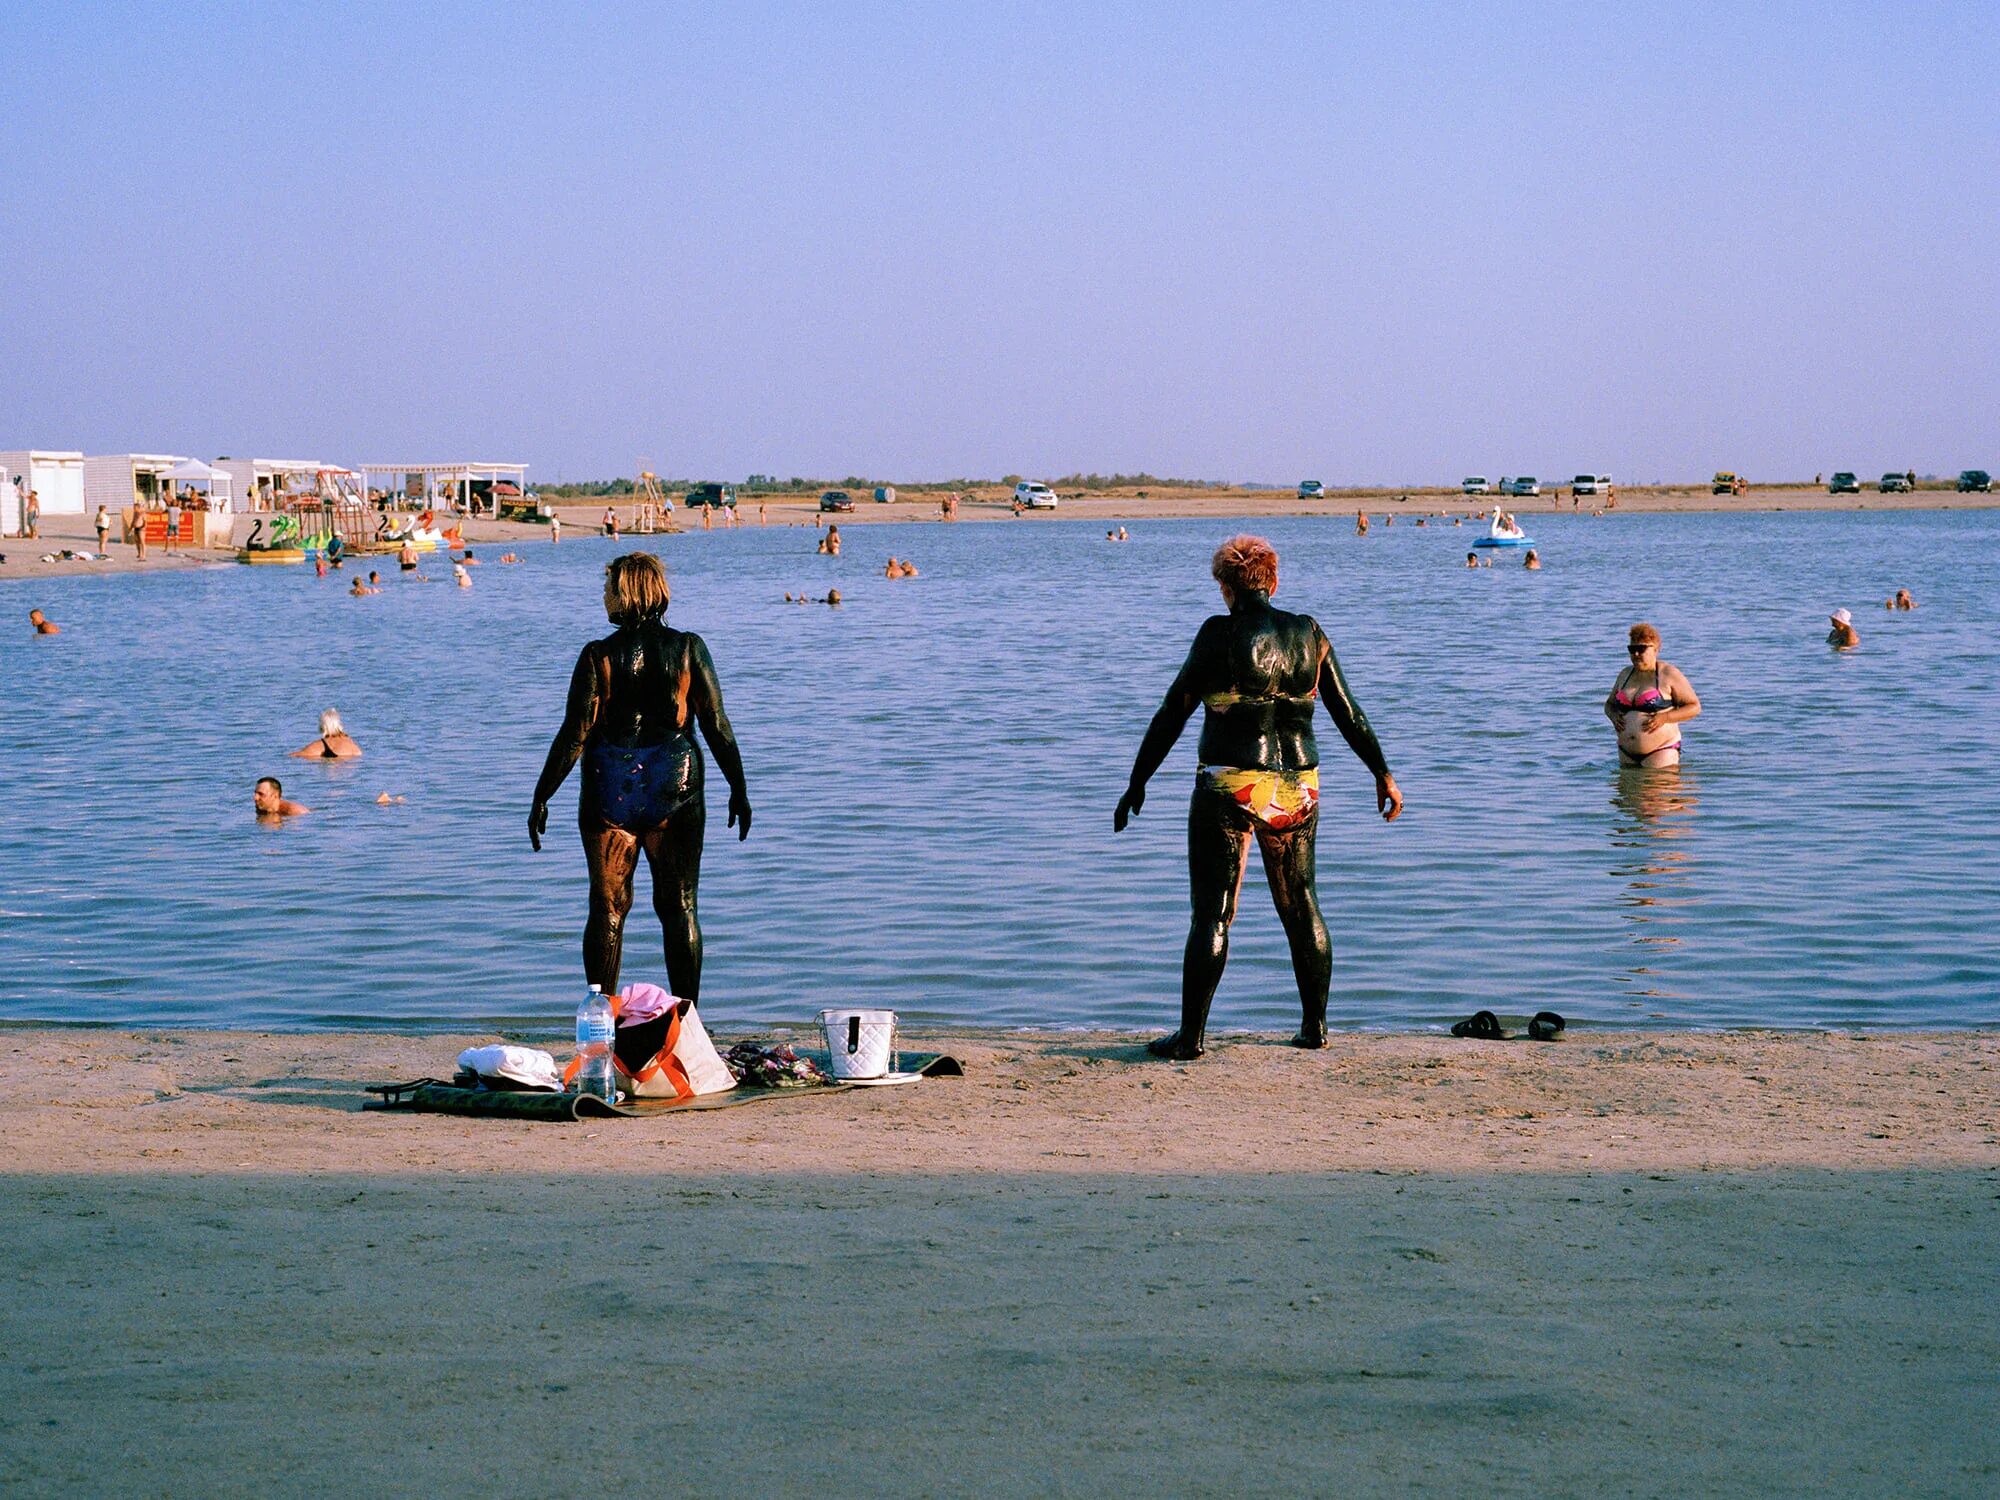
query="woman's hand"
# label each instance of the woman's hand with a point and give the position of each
(739, 814)
(1388, 798)
(1131, 802)
(538, 824)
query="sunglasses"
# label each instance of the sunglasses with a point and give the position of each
(1637, 646)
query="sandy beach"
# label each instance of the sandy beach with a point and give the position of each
(1624, 1263)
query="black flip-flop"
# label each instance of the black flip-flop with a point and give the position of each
(1482, 1026)
(1545, 1027)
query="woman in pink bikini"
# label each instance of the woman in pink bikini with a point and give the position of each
(1649, 703)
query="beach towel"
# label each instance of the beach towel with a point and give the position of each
(463, 1096)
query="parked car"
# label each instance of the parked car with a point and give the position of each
(712, 494)
(835, 500)
(1843, 483)
(1311, 489)
(1893, 484)
(1034, 496)
(1590, 484)
(1475, 484)
(1975, 482)
(1726, 483)
(1526, 484)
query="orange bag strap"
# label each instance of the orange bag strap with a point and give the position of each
(663, 1062)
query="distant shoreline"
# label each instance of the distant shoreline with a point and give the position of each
(581, 518)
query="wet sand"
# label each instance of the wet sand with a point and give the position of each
(1624, 1263)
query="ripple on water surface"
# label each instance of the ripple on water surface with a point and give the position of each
(934, 766)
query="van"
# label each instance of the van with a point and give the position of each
(1590, 484)
(713, 494)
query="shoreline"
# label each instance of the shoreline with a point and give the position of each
(580, 518)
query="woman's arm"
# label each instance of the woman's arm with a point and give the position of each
(315, 751)
(705, 698)
(1355, 729)
(1687, 704)
(1168, 722)
(579, 717)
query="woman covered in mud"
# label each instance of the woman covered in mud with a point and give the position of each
(1258, 672)
(635, 699)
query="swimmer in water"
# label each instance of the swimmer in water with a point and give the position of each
(334, 742)
(1258, 673)
(1531, 560)
(268, 798)
(508, 557)
(1472, 559)
(1903, 599)
(1648, 703)
(361, 589)
(42, 624)
(1843, 636)
(460, 577)
(636, 699)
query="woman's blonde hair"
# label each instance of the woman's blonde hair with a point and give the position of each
(329, 723)
(638, 586)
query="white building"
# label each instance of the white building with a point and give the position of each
(56, 477)
(118, 481)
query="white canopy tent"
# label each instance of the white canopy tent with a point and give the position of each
(192, 473)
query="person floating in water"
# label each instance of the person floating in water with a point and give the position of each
(334, 742)
(1843, 636)
(635, 700)
(1647, 718)
(42, 624)
(268, 798)
(1258, 673)
(1531, 560)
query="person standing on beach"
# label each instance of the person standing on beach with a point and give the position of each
(1258, 672)
(555, 527)
(103, 527)
(635, 700)
(31, 512)
(139, 530)
(174, 526)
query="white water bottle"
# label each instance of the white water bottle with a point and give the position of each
(595, 1031)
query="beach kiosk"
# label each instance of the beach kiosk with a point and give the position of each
(471, 489)
(266, 484)
(139, 488)
(56, 478)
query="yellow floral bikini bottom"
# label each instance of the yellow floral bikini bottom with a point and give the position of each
(1277, 799)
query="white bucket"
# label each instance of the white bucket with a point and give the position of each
(860, 1043)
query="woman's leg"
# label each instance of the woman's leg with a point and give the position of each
(1218, 845)
(1288, 866)
(612, 855)
(673, 852)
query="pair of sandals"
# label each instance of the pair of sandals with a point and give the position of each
(1484, 1026)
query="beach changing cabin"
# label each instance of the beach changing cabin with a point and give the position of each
(56, 477)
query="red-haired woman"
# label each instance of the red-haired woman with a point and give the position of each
(635, 701)
(1257, 671)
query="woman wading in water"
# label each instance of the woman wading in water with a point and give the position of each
(1648, 703)
(1258, 672)
(634, 701)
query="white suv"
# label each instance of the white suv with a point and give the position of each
(1527, 484)
(1475, 484)
(1034, 496)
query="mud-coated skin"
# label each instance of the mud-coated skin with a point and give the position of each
(644, 688)
(1269, 667)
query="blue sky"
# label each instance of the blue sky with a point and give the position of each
(1391, 243)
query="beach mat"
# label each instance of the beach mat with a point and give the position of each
(435, 1097)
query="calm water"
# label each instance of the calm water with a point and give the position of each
(934, 768)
